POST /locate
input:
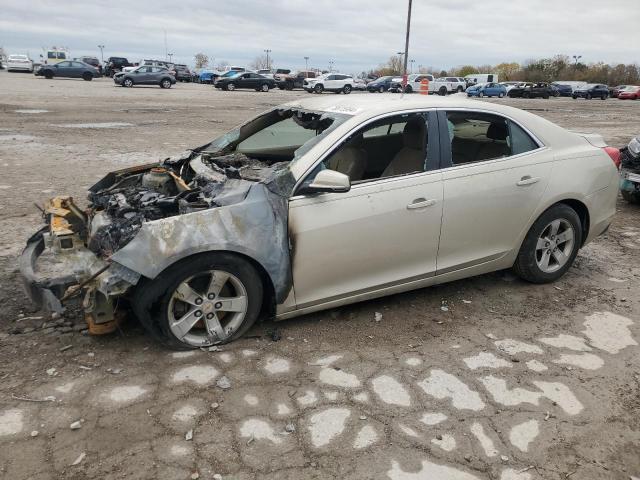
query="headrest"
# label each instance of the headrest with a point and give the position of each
(414, 134)
(497, 131)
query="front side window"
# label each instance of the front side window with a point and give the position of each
(477, 137)
(390, 147)
(64, 64)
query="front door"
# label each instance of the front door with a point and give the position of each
(495, 177)
(383, 232)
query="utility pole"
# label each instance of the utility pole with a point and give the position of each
(165, 46)
(170, 55)
(267, 51)
(406, 47)
(330, 66)
(306, 64)
(101, 47)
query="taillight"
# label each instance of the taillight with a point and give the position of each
(614, 153)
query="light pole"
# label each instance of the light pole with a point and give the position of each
(170, 55)
(412, 61)
(330, 65)
(101, 47)
(267, 51)
(576, 58)
(306, 64)
(406, 46)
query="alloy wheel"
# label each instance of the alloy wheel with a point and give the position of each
(555, 245)
(207, 308)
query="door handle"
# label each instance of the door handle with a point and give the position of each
(527, 180)
(420, 203)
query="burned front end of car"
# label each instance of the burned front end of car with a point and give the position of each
(141, 220)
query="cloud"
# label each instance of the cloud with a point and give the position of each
(356, 34)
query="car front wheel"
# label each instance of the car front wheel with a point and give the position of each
(231, 87)
(551, 245)
(318, 88)
(127, 82)
(347, 89)
(205, 300)
(265, 87)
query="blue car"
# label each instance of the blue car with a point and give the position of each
(487, 90)
(208, 76)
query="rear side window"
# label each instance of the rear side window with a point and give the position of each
(477, 137)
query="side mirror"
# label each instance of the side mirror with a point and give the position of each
(330, 181)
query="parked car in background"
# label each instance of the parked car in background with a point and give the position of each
(510, 85)
(359, 84)
(331, 82)
(487, 90)
(508, 189)
(475, 78)
(19, 63)
(292, 80)
(413, 83)
(533, 90)
(145, 75)
(251, 80)
(93, 61)
(115, 64)
(208, 76)
(591, 90)
(69, 69)
(445, 85)
(614, 91)
(630, 92)
(183, 74)
(563, 89)
(380, 85)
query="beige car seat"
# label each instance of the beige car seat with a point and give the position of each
(411, 158)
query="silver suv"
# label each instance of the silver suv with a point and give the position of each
(331, 82)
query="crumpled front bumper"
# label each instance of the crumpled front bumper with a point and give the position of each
(44, 293)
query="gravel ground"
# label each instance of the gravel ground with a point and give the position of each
(512, 382)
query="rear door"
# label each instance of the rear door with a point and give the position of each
(62, 69)
(494, 175)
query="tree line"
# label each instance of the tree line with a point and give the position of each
(559, 67)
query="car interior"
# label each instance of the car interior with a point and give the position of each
(477, 137)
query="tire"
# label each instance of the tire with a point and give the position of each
(575, 97)
(289, 86)
(408, 89)
(500, 95)
(48, 74)
(459, 89)
(87, 77)
(127, 82)
(165, 83)
(603, 97)
(231, 87)
(158, 307)
(318, 88)
(346, 89)
(280, 87)
(380, 89)
(534, 254)
(631, 197)
(443, 91)
(556, 94)
(264, 87)
(588, 96)
(480, 94)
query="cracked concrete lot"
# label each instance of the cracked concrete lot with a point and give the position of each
(511, 381)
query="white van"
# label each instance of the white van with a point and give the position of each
(55, 55)
(476, 78)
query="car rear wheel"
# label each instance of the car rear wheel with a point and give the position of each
(442, 91)
(166, 83)
(408, 89)
(318, 88)
(264, 87)
(87, 77)
(127, 82)
(459, 89)
(500, 95)
(604, 96)
(551, 245)
(205, 300)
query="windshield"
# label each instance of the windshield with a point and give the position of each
(279, 135)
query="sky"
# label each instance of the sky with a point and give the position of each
(356, 34)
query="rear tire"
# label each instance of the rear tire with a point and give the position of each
(554, 238)
(264, 87)
(231, 87)
(500, 95)
(588, 96)
(87, 77)
(166, 83)
(442, 91)
(158, 306)
(408, 89)
(604, 97)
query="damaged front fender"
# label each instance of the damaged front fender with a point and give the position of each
(255, 227)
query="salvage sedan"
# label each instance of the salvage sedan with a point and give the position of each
(320, 203)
